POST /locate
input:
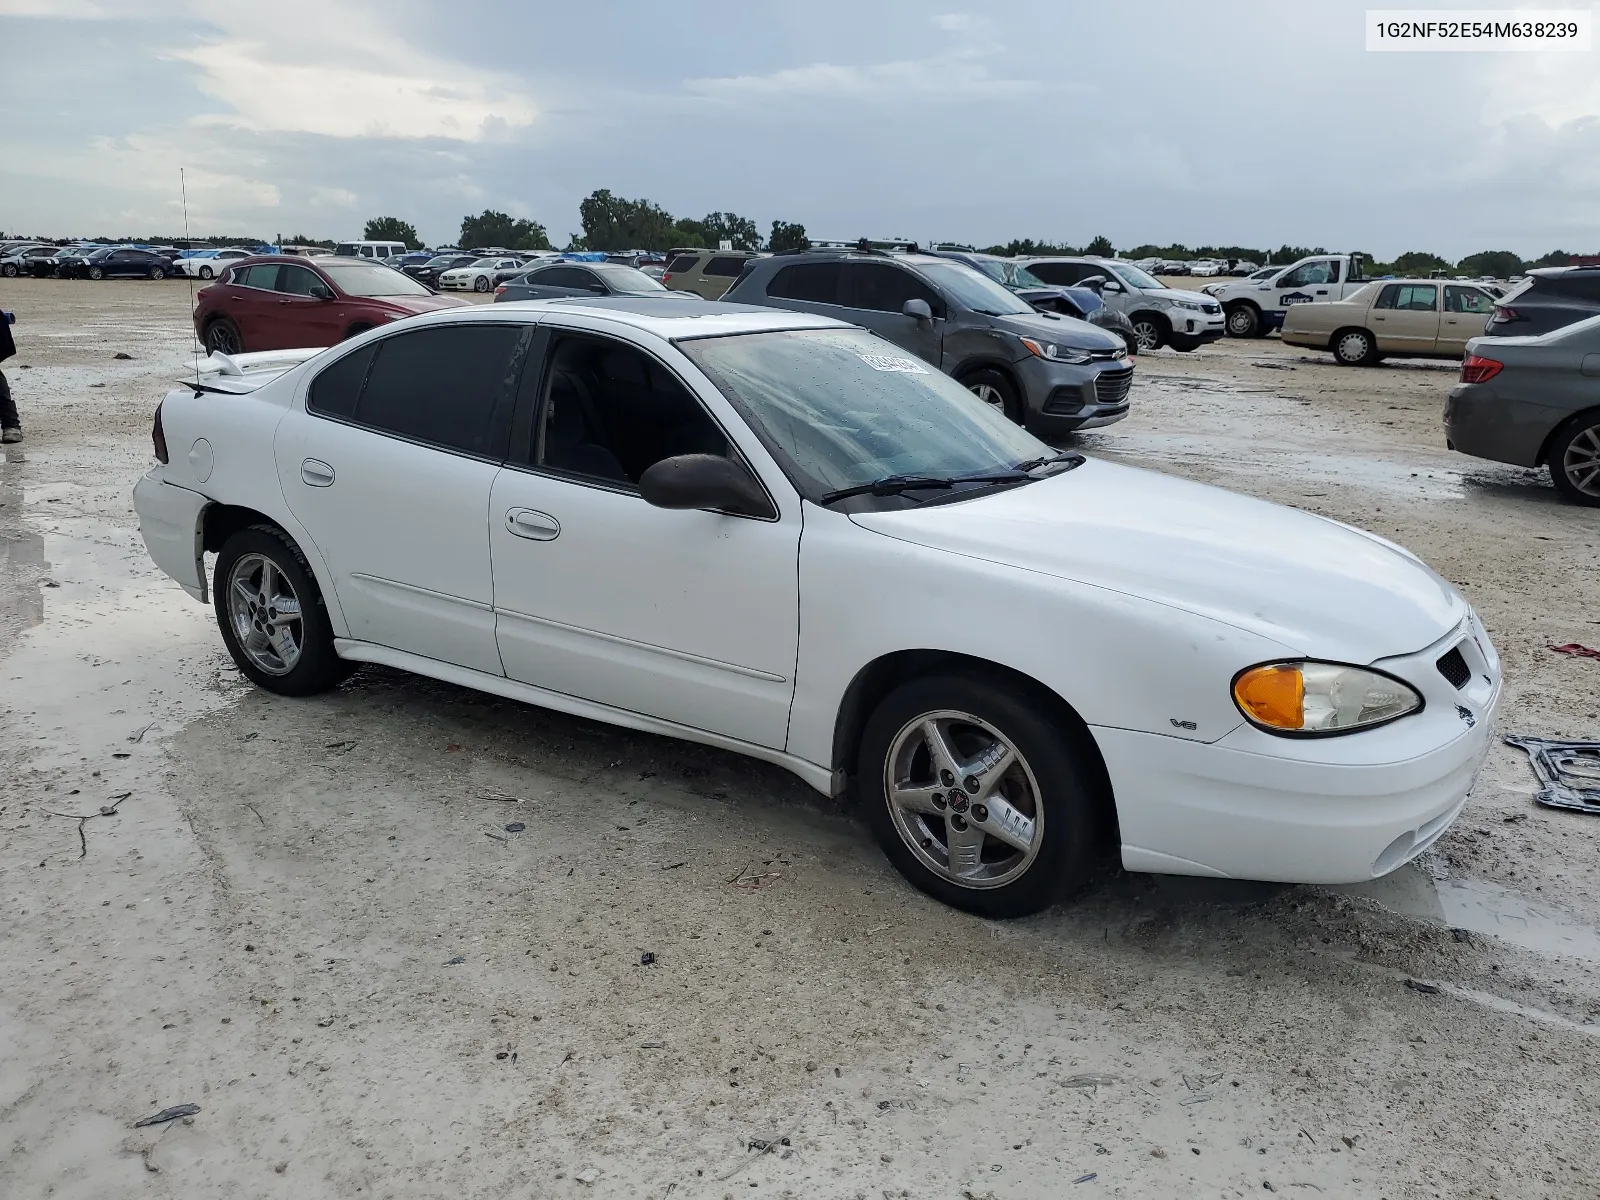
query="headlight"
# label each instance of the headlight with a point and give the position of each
(1189, 304)
(1055, 353)
(1310, 698)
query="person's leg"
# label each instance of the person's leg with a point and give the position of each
(9, 421)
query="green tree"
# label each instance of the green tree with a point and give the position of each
(1499, 264)
(1101, 247)
(1284, 255)
(1556, 258)
(612, 223)
(392, 229)
(730, 227)
(786, 235)
(1419, 262)
(490, 228)
(1028, 247)
(691, 233)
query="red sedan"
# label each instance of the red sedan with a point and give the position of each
(276, 303)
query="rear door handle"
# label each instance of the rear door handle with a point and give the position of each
(534, 525)
(316, 473)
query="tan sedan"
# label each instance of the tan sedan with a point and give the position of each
(1409, 318)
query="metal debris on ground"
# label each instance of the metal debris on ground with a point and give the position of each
(647, 959)
(746, 881)
(1427, 989)
(1086, 1178)
(168, 1114)
(1576, 650)
(515, 827)
(1199, 1082)
(1090, 1079)
(1569, 772)
(497, 794)
(455, 962)
(587, 1175)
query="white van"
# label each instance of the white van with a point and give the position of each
(373, 250)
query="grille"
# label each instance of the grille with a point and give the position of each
(1454, 668)
(1111, 387)
(1211, 308)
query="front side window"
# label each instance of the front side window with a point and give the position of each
(562, 277)
(299, 281)
(372, 279)
(1459, 299)
(885, 288)
(845, 407)
(1131, 276)
(449, 386)
(1417, 297)
(974, 290)
(1311, 274)
(611, 412)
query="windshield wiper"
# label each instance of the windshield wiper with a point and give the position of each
(893, 485)
(1066, 456)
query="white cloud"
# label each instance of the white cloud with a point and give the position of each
(952, 76)
(334, 197)
(955, 22)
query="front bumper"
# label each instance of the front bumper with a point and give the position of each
(1064, 397)
(1480, 422)
(1319, 810)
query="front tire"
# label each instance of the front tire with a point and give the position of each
(1151, 331)
(1574, 460)
(1355, 348)
(977, 797)
(205, 272)
(157, 273)
(223, 335)
(271, 614)
(995, 390)
(1244, 321)
(96, 273)
(481, 284)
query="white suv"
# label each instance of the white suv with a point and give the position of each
(769, 531)
(1161, 316)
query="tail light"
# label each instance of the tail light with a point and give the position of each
(501, 290)
(1479, 370)
(158, 437)
(1502, 313)
(666, 277)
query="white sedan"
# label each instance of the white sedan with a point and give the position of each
(478, 276)
(208, 264)
(779, 534)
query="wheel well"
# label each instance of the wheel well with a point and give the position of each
(1233, 304)
(222, 521)
(1159, 318)
(881, 676)
(968, 370)
(1549, 440)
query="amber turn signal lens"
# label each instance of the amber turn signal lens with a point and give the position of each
(1273, 695)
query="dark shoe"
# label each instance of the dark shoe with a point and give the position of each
(11, 436)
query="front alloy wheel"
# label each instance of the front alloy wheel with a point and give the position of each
(481, 284)
(205, 272)
(1147, 331)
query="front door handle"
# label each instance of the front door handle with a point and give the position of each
(316, 473)
(532, 524)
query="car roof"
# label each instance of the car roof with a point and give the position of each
(668, 317)
(1556, 272)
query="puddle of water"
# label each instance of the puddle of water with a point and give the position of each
(1481, 907)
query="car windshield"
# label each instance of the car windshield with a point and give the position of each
(974, 289)
(845, 407)
(626, 279)
(441, 260)
(371, 279)
(100, 253)
(1132, 276)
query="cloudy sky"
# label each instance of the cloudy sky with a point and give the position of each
(1231, 121)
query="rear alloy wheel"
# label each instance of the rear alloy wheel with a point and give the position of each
(205, 272)
(1575, 461)
(995, 390)
(222, 336)
(1244, 320)
(272, 617)
(96, 273)
(1355, 348)
(1150, 331)
(976, 795)
(481, 284)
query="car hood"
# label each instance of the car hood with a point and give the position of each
(1313, 585)
(411, 305)
(1070, 331)
(1177, 294)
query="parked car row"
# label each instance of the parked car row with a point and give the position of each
(92, 260)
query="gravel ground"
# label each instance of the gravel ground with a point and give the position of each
(317, 921)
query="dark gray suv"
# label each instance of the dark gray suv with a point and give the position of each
(1053, 374)
(1548, 299)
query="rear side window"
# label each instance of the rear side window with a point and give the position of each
(684, 262)
(449, 386)
(334, 392)
(724, 265)
(815, 282)
(262, 275)
(566, 277)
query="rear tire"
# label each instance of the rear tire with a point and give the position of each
(1354, 348)
(271, 614)
(995, 390)
(1574, 460)
(998, 845)
(9, 270)
(223, 336)
(1244, 321)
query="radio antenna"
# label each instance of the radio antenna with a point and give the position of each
(183, 192)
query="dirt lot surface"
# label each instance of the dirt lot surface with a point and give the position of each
(319, 921)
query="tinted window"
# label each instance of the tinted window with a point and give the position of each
(262, 275)
(335, 390)
(627, 279)
(1058, 273)
(299, 281)
(885, 288)
(443, 386)
(724, 265)
(684, 262)
(1574, 287)
(566, 277)
(816, 282)
(1459, 299)
(612, 411)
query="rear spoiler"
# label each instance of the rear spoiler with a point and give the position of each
(240, 374)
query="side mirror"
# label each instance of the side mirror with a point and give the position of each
(598, 289)
(918, 309)
(704, 481)
(322, 291)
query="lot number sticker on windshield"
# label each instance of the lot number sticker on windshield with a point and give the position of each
(887, 362)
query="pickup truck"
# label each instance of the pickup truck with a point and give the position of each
(1255, 307)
